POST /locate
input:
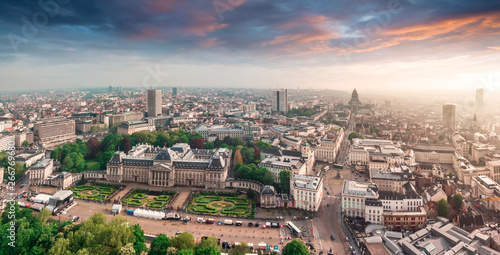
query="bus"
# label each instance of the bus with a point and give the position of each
(338, 166)
(293, 228)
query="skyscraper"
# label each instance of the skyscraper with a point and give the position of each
(479, 97)
(280, 100)
(174, 91)
(449, 112)
(110, 89)
(154, 102)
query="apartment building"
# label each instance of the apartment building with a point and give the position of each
(307, 191)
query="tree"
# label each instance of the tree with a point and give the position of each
(236, 141)
(127, 250)
(240, 249)
(210, 250)
(285, 181)
(457, 202)
(126, 144)
(262, 145)
(210, 146)
(197, 143)
(443, 208)
(94, 147)
(140, 239)
(184, 241)
(43, 216)
(256, 152)
(208, 242)
(355, 135)
(185, 252)
(237, 157)
(295, 247)
(160, 245)
(227, 140)
(104, 158)
(25, 144)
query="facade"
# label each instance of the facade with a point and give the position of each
(354, 103)
(280, 100)
(221, 131)
(376, 153)
(130, 127)
(276, 164)
(83, 126)
(449, 116)
(494, 168)
(29, 158)
(406, 220)
(39, 172)
(5, 125)
(485, 188)
(24, 136)
(373, 211)
(434, 194)
(408, 200)
(174, 91)
(307, 192)
(354, 196)
(154, 102)
(52, 131)
(328, 149)
(268, 197)
(7, 142)
(178, 165)
(435, 154)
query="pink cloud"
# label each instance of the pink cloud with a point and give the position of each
(202, 23)
(210, 42)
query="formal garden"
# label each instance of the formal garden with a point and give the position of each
(94, 191)
(227, 204)
(151, 199)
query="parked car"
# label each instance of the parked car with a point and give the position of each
(75, 218)
(350, 248)
(332, 237)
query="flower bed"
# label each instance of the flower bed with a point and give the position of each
(149, 199)
(219, 204)
(203, 208)
(156, 204)
(136, 202)
(237, 200)
(237, 209)
(207, 199)
(163, 198)
(139, 196)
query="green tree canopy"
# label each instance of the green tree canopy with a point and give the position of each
(443, 208)
(240, 249)
(160, 245)
(457, 202)
(355, 135)
(295, 247)
(285, 181)
(184, 241)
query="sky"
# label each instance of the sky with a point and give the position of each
(371, 45)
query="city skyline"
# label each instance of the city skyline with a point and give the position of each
(378, 45)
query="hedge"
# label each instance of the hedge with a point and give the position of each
(105, 190)
(162, 198)
(204, 208)
(139, 196)
(207, 199)
(232, 210)
(136, 202)
(237, 200)
(156, 204)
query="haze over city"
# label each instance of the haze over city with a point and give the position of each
(381, 45)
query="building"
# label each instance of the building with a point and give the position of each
(153, 102)
(373, 211)
(5, 125)
(354, 196)
(174, 91)
(307, 191)
(130, 127)
(485, 188)
(494, 168)
(28, 158)
(354, 103)
(434, 154)
(23, 136)
(328, 148)
(211, 132)
(112, 119)
(479, 97)
(405, 200)
(53, 131)
(7, 142)
(83, 126)
(407, 220)
(434, 194)
(280, 100)
(268, 197)
(59, 201)
(392, 179)
(40, 171)
(276, 164)
(449, 116)
(110, 89)
(1, 175)
(178, 165)
(376, 153)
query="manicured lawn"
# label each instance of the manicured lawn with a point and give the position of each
(92, 165)
(220, 205)
(142, 198)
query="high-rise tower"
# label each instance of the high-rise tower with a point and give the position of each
(449, 113)
(280, 100)
(154, 102)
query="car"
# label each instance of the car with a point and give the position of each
(328, 193)
(256, 224)
(75, 218)
(347, 239)
(350, 248)
(332, 237)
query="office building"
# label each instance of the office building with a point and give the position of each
(7, 142)
(130, 127)
(483, 187)
(40, 171)
(354, 195)
(110, 89)
(494, 168)
(51, 130)
(280, 100)
(276, 164)
(479, 97)
(449, 116)
(174, 91)
(153, 102)
(5, 125)
(307, 191)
